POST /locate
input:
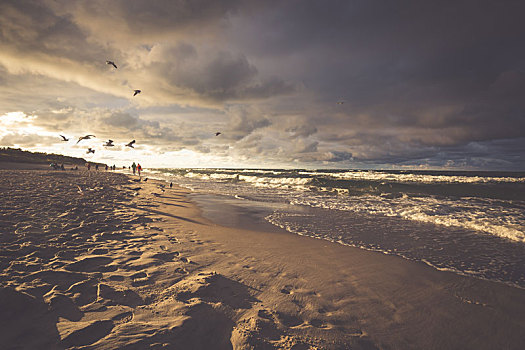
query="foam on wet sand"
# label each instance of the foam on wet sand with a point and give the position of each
(123, 264)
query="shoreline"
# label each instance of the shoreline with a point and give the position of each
(216, 209)
(148, 269)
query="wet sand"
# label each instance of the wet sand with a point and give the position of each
(126, 264)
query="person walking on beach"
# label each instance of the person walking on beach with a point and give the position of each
(139, 168)
(134, 166)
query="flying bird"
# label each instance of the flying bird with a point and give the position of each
(131, 144)
(136, 92)
(112, 63)
(218, 133)
(87, 137)
(109, 143)
(64, 138)
(90, 150)
(340, 102)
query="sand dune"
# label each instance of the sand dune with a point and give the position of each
(122, 264)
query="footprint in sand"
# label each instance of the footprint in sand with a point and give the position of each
(116, 278)
(287, 289)
(124, 317)
(139, 275)
(289, 320)
(99, 251)
(181, 270)
(140, 279)
(165, 256)
(185, 260)
(317, 323)
(83, 292)
(90, 264)
(63, 306)
(89, 334)
(265, 314)
(115, 296)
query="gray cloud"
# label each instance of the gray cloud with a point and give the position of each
(24, 140)
(422, 83)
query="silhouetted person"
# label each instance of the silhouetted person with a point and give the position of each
(134, 166)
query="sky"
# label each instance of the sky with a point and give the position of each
(289, 84)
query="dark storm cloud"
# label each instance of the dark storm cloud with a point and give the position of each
(218, 76)
(337, 156)
(442, 74)
(301, 130)
(423, 83)
(31, 26)
(144, 19)
(71, 40)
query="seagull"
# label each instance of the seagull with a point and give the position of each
(112, 63)
(109, 143)
(136, 92)
(64, 138)
(340, 102)
(218, 133)
(131, 144)
(90, 150)
(87, 137)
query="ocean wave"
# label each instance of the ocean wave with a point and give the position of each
(414, 177)
(477, 203)
(482, 215)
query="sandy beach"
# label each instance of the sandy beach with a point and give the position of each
(98, 260)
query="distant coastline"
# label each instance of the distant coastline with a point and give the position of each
(17, 155)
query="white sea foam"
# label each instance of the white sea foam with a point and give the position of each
(502, 218)
(472, 246)
(411, 177)
(276, 182)
(483, 215)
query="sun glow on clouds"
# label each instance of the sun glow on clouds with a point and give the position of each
(22, 124)
(17, 129)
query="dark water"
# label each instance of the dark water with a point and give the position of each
(469, 223)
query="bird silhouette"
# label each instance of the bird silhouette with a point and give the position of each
(131, 144)
(136, 92)
(112, 63)
(64, 138)
(90, 150)
(218, 133)
(87, 137)
(109, 143)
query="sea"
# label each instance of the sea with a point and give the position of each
(470, 223)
